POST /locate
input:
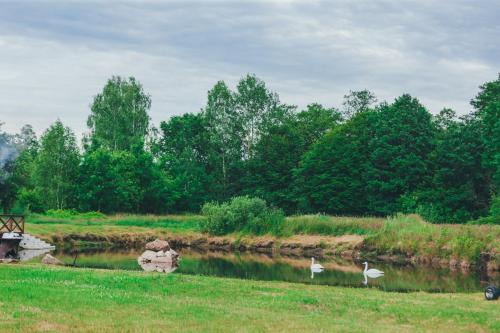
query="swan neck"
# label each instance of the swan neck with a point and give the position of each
(366, 267)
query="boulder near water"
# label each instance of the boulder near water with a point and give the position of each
(158, 245)
(161, 261)
(50, 260)
(159, 257)
(169, 256)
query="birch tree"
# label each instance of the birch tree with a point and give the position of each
(57, 167)
(119, 114)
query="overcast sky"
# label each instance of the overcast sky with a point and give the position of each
(56, 55)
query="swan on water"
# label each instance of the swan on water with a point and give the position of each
(373, 272)
(316, 266)
(315, 271)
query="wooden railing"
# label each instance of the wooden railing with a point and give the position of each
(11, 223)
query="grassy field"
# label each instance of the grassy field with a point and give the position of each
(58, 299)
(401, 235)
(51, 225)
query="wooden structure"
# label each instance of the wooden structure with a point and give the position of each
(11, 233)
(11, 223)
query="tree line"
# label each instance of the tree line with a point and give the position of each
(367, 158)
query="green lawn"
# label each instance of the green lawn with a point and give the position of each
(48, 225)
(36, 298)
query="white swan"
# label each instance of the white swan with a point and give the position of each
(316, 266)
(372, 273)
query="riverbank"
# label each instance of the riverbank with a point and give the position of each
(37, 298)
(293, 269)
(404, 239)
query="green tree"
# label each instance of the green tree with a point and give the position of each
(259, 109)
(357, 101)
(400, 150)
(123, 181)
(279, 151)
(184, 155)
(22, 175)
(459, 190)
(487, 106)
(315, 121)
(158, 191)
(119, 115)
(224, 126)
(108, 182)
(269, 174)
(331, 176)
(56, 167)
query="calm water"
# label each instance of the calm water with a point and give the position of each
(262, 267)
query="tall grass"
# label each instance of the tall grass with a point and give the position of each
(330, 225)
(410, 235)
(407, 235)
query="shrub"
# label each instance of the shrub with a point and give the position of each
(30, 201)
(71, 213)
(486, 220)
(91, 215)
(61, 213)
(495, 207)
(245, 214)
(493, 217)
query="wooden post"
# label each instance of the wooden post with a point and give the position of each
(11, 223)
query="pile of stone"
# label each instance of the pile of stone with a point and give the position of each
(48, 259)
(159, 257)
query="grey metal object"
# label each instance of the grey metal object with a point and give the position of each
(491, 293)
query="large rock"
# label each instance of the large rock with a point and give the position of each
(50, 260)
(148, 255)
(158, 245)
(160, 256)
(161, 261)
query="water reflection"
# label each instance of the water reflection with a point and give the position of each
(161, 267)
(26, 255)
(372, 276)
(161, 262)
(316, 270)
(263, 267)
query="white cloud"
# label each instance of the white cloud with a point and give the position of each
(55, 56)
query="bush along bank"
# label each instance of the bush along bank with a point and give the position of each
(244, 214)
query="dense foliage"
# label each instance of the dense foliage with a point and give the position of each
(365, 159)
(251, 215)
